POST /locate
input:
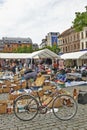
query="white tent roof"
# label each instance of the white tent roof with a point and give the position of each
(13, 55)
(45, 53)
(75, 55)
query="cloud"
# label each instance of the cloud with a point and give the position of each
(36, 18)
(2, 1)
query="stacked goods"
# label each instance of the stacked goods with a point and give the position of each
(48, 97)
(39, 80)
(40, 93)
(23, 84)
(17, 87)
(6, 89)
(15, 77)
(0, 90)
(13, 96)
(10, 106)
(3, 107)
(21, 104)
(47, 100)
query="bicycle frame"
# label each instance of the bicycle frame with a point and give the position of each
(58, 101)
(41, 103)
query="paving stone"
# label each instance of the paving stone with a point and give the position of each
(46, 122)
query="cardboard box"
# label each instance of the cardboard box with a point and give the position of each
(3, 108)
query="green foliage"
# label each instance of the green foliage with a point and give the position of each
(24, 49)
(54, 48)
(80, 21)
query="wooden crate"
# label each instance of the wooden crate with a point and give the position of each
(13, 96)
(7, 83)
(3, 108)
(40, 93)
(47, 99)
(6, 90)
(0, 90)
(17, 87)
(39, 81)
(23, 84)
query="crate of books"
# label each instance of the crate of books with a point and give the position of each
(3, 107)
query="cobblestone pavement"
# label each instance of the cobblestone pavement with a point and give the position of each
(47, 121)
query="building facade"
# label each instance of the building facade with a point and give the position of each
(1, 45)
(11, 44)
(35, 46)
(50, 39)
(83, 39)
(69, 41)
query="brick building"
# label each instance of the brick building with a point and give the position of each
(69, 41)
(11, 44)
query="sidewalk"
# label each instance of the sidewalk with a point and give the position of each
(47, 121)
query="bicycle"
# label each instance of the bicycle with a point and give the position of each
(27, 106)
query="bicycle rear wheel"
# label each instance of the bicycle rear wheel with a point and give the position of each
(25, 107)
(64, 107)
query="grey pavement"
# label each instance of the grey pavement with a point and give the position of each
(47, 121)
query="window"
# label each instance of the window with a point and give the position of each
(71, 47)
(63, 49)
(63, 40)
(71, 38)
(75, 46)
(19, 41)
(74, 37)
(82, 35)
(82, 45)
(77, 36)
(86, 44)
(86, 34)
(78, 46)
(66, 49)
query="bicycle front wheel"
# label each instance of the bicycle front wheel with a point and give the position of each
(25, 107)
(64, 107)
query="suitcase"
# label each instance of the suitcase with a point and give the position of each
(82, 97)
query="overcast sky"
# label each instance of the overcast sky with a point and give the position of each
(36, 18)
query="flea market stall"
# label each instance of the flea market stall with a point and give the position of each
(12, 83)
(80, 57)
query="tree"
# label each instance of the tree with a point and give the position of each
(24, 49)
(54, 48)
(80, 21)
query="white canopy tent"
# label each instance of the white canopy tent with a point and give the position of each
(45, 53)
(78, 56)
(13, 55)
(74, 55)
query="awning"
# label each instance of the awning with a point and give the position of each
(45, 53)
(13, 55)
(74, 55)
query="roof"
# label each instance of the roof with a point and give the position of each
(13, 55)
(16, 40)
(45, 53)
(67, 32)
(75, 55)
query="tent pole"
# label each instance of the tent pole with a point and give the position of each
(31, 63)
(78, 63)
